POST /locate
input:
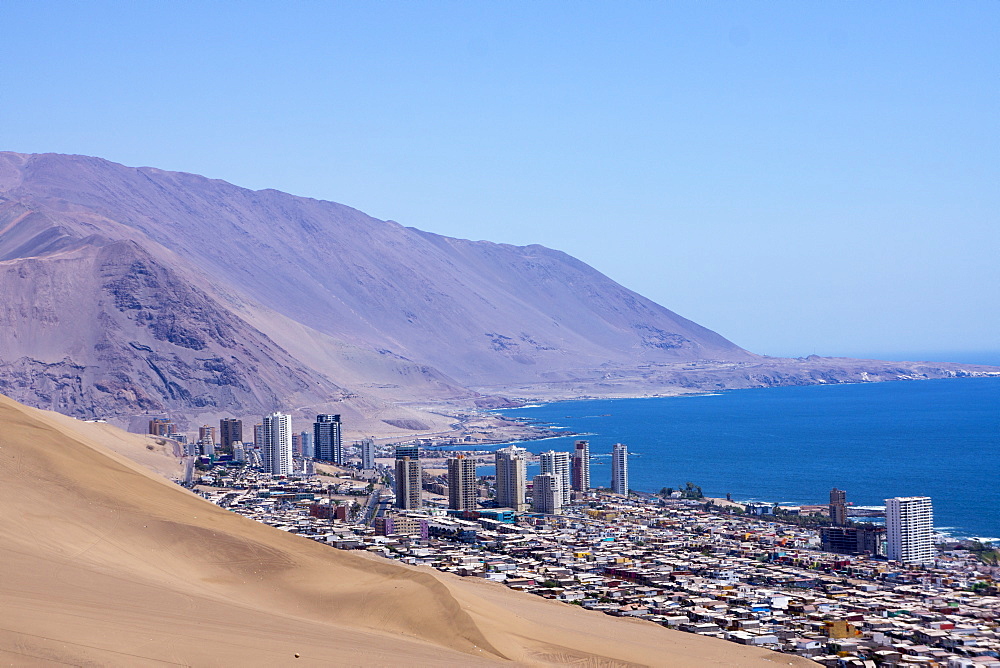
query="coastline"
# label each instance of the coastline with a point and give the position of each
(949, 510)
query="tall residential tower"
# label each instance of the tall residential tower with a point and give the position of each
(909, 524)
(838, 507)
(326, 439)
(462, 491)
(230, 430)
(367, 453)
(511, 471)
(619, 469)
(409, 478)
(276, 444)
(547, 493)
(557, 463)
(580, 477)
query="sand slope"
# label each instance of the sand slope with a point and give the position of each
(105, 563)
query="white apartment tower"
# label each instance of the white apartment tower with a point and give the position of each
(581, 466)
(367, 453)
(909, 525)
(557, 463)
(511, 477)
(619, 469)
(547, 493)
(276, 444)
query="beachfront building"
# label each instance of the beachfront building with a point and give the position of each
(462, 492)
(547, 493)
(326, 439)
(909, 523)
(838, 506)
(367, 454)
(512, 466)
(619, 469)
(557, 463)
(580, 475)
(276, 444)
(408, 477)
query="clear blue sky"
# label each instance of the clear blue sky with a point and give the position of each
(802, 177)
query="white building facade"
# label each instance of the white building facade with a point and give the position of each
(512, 468)
(619, 469)
(276, 445)
(547, 493)
(557, 463)
(367, 454)
(909, 524)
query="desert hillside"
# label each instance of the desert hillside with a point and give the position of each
(105, 563)
(129, 290)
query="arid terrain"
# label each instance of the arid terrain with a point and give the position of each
(107, 563)
(129, 292)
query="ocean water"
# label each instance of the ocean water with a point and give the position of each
(937, 438)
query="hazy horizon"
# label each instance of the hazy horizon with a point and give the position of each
(801, 178)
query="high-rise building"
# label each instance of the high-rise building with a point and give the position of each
(512, 469)
(367, 453)
(308, 451)
(326, 439)
(838, 507)
(557, 463)
(408, 477)
(161, 427)
(258, 436)
(230, 430)
(909, 524)
(580, 476)
(547, 493)
(276, 446)
(462, 491)
(206, 433)
(619, 469)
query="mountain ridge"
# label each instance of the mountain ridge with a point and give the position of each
(254, 300)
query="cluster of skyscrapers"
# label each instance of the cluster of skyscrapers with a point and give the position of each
(909, 521)
(273, 444)
(561, 474)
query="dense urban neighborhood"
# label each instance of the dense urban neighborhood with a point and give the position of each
(707, 566)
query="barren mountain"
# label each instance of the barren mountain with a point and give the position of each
(133, 290)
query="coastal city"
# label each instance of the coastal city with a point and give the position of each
(814, 581)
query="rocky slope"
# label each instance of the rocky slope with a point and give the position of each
(126, 291)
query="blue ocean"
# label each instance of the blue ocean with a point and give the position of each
(937, 438)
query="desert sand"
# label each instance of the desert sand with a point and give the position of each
(106, 563)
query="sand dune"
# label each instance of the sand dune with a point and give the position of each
(105, 563)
